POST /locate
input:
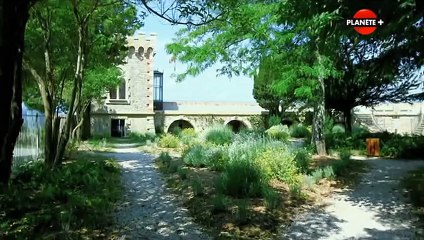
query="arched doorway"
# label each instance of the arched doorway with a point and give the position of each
(178, 125)
(236, 125)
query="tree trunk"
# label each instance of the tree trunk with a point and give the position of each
(75, 98)
(319, 115)
(347, 114)
(13, 19)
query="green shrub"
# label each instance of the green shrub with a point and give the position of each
(328, 173)
(403, 147)
(303, 160)
(299, 131)
(278, 163)
(342, 165)
(338, 129)
(274, 120)
(168, 141)
(213, 157)
(141, 137)
(165, 159)
(278, 132)
(241, 179)
(220, 203)
(272, 198)
(308, 181)
(197, 187)
(64, 203)
(219, 134)
(317, 175)
(173, 167)
(345, 154)
(243, 212)
(295, 190)
(183, 173)
(188, 136)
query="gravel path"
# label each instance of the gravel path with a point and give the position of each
(149, 210)
(375, 209)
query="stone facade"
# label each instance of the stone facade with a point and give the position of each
(130, 110)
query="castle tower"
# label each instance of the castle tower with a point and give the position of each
(129, 107)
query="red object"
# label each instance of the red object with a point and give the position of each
(367, 14)
(373, 147)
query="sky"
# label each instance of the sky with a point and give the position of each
(205, 87)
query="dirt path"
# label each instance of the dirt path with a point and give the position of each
(148, 210)
(374, 209)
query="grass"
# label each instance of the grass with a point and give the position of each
(70, 202)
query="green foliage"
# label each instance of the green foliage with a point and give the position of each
(317, 175)
(303, 160)
(141, 137)
(408, 147)
(341, 166)
(204, 155)
(220, 203)
(60, 203)
(188, 136)
(274, 120)
(278, 132)
(243, 212)
(165, 159)
(328, 173)
(183, 173)
(337, 129)
(219, 134)
(299, 131)
(197, 187)
(169, 141)
(272, 198)
(241, 179)
(278, 163)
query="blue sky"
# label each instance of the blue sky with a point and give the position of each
(205, 87)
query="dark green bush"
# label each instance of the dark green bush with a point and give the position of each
(165, 159)
(211, 156)
(299, 131)
(303, 160)
(241, 179)
(219, 134)
(278, 132)
(59, 203)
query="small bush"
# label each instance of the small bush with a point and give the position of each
(317, 175)
(241, 179)
(210, 156)
(345, 155)
(168, 141)
(272, 198)
(219, 134)
(165, 159)
(308, 181)
(303, 160)
(295, 190)
(183, 173)
(197, 187)
(173, 167)
(188, 136)
(299, 131)
(278, 163)
(337, 129)
(243, 212)
(274, 121)
(328, 173)
(220, 203)
(278, 132)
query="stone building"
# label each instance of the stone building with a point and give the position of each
(129, 107)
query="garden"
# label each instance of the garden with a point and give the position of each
(248, 185)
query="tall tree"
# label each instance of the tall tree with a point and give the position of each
(13, 19)
(92, 46)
